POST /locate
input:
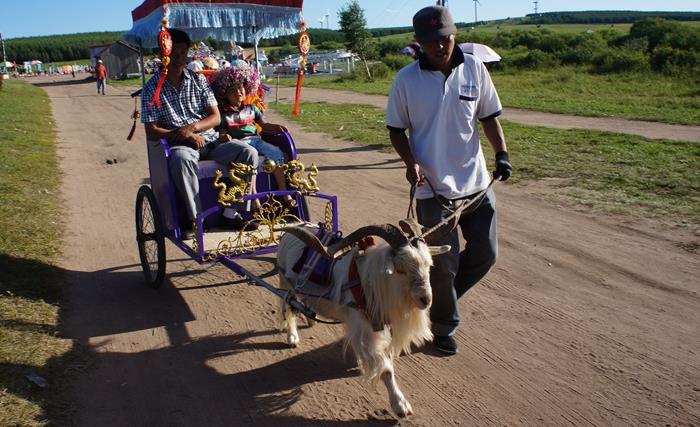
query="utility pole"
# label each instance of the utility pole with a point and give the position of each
(536, 4)
(2, 42)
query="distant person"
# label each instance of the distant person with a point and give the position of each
(412, 49)
(186, 118)
(231, 53)
(101, 76)
(439, 99)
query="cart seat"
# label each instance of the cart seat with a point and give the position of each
(207, 169)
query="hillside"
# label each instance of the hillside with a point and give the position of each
(605, 17)
(57, 48)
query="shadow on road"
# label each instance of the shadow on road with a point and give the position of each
(398, 164)
(187, 382)
(83, 81)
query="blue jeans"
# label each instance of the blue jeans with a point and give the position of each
(266, 149)
(101, 86)
(455, 272)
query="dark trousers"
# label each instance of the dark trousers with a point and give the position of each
(455, 272)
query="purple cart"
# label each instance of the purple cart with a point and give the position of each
(159, 210)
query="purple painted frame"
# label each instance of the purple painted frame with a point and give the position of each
(167, 200)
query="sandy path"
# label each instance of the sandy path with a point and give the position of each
(651, 130)
(586, 319)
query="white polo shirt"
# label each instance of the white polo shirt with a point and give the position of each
(441, 116)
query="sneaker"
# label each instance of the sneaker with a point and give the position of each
(238, 224)
(187, 234)
(445, 344)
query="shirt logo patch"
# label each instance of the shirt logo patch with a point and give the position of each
(468, 92)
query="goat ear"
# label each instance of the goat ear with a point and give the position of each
(411, 227)
(439, 250)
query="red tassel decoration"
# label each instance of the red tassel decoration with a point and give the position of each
(297, 98)
(304, 45)
(135, 116)
(165, 42)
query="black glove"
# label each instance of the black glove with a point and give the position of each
(503, 167)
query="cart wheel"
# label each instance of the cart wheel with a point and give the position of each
(150, 237)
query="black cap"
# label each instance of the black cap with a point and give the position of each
(432, 23)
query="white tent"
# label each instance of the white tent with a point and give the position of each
(481, 51)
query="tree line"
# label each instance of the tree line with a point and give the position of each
(60, 48)
(605, 17)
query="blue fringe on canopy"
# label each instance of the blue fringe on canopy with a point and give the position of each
(242, 23)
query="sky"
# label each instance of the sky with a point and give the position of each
(24, 18)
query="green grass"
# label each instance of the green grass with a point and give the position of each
(623, 28)
(600, 170)
(570, 90)
(641, 96)
(376, 87)
(133, 82)
(30, 235)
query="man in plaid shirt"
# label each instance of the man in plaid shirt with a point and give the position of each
(186, 118)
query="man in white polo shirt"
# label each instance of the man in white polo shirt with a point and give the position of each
(439, 100)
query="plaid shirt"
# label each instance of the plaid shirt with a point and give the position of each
(181, 108)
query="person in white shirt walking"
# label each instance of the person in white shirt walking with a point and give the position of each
(439, 100)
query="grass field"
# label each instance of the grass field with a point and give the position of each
(570, 90)
(30, 233)
(600, 170)
(557, 28)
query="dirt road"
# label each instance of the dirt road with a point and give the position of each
(586, 319)
(652, 130)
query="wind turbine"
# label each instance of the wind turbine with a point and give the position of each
(324, 18)
(476, 2)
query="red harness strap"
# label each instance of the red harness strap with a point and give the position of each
(357, 293)
(354, 277)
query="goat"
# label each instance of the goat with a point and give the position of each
(395, 280)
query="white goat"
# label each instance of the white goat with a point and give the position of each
(395, 279)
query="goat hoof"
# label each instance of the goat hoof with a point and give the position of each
(402, 408)
(293, 340)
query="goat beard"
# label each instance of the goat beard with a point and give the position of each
(387, 304)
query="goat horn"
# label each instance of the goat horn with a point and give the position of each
(389, 232)
(309, 239)
(411, 227)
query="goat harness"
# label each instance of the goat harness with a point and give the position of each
(312, 275)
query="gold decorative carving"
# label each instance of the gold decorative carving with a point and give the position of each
(328, 215)
(240, 175)
(272, 215)
(294, 169)
(269, 165)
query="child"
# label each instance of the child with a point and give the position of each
(238, 119)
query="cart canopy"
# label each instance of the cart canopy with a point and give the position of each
(243, 21)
